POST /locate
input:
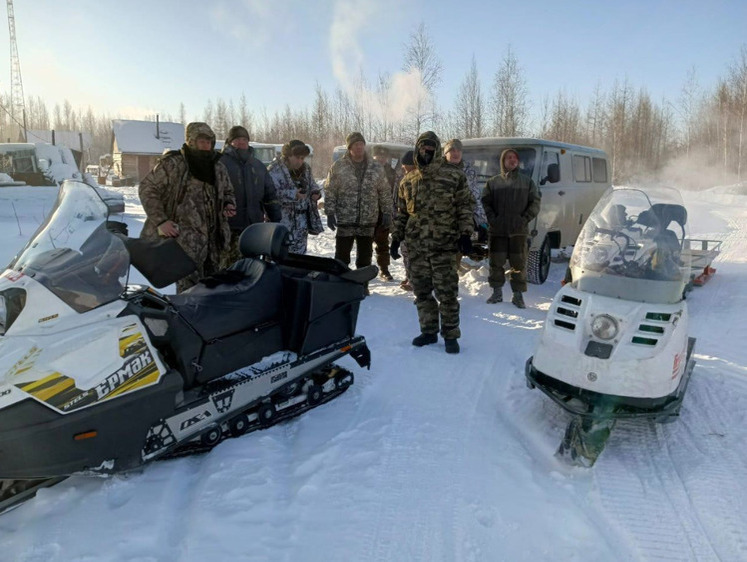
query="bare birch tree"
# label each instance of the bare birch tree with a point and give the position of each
(420, 56)
(470, 107)
(508, 101)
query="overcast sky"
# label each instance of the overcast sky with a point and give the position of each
(139, 57)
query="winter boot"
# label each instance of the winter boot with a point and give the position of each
(452, 346)
(497, 295)
(385, 275)
(518, 300)
(406, 285)
(425, 339)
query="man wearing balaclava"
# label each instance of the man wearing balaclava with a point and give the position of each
(188, 196)
(434, 218)
(511, 201)
(252, 185)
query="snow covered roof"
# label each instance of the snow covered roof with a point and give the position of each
(70, 139)
(139, 137)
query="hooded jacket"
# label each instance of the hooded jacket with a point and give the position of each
(434, 204)
(511, 201)
(253, 187)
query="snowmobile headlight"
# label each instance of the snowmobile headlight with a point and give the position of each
(604, 327)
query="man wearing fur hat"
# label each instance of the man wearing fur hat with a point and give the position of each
(253, 188)
(357, 192)
(434, 217)
(298, 194)
(188, 196)
(511, 201)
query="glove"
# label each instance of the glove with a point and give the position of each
(331, 222)
(464, 244)
(394, 249)
(386, 220)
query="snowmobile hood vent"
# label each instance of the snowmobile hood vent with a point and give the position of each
(566, 314)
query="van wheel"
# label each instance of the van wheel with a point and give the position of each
(538, 263)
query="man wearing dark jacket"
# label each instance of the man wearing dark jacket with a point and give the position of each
(253, 186)
(511, 201)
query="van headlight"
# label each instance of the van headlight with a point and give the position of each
(604, 327)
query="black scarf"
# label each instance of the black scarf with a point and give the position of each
(201, 163)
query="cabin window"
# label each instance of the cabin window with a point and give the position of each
(582, 169)
(599, 166)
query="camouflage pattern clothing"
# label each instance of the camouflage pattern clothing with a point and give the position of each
(511, 201)
(356, 202)
(300, 216)
(171, 192)
(479, 212)
(434, 210)
(381, 233)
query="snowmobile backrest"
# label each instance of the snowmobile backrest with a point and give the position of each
(667, 212)
(267, 239)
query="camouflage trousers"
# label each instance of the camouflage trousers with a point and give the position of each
(434, 273)
(513, 248)
(381, 241)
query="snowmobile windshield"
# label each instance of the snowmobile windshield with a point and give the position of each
(73, 253)
(632, 247)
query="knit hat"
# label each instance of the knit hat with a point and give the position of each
(197, 129)
(409, 158)
(453, 143)
(236, 132)
(379, 150)
(295, 148)
(353, 138)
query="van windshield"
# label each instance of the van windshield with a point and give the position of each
(486, 160)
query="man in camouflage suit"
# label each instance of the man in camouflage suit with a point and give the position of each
(188, 196)
(434, 217)
(298, 194)
(381, 234)
(511, 201)
(357, 192)
(253, 188)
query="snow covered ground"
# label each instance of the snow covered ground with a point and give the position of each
(430, 456)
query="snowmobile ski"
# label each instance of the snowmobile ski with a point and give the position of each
(584, 440)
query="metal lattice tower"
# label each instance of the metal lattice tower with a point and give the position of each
(17, 103)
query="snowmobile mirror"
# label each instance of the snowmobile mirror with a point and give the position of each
(162, 262)
(265, 239)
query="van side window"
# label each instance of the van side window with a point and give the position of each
(581, 168)
(549, 157)
(600, 170)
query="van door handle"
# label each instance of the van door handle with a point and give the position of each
(561, 192)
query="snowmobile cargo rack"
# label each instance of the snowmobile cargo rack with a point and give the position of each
(702, 252)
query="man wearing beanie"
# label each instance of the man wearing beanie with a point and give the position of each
(408, 165)
(188, 196)
(434, 217)
(511, 201)
(357, 192)
(297, 192)
(453, 151)
(252, 185)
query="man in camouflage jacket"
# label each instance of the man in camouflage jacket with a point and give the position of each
(357, 191)
(511, 201)
(381, 233)
(434, 217)
(298, 194)
(188, 196)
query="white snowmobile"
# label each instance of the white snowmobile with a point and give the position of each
(97, 376)
(615, 342)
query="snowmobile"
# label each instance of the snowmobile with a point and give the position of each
(98, 376)
(615, 342)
